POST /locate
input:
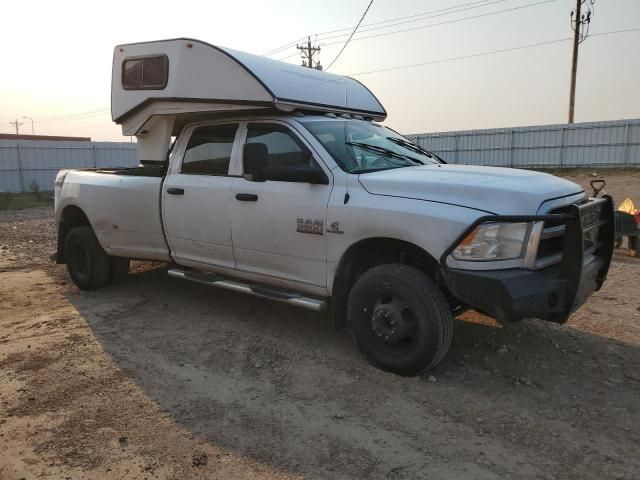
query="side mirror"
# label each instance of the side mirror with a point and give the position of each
(254, 161)
(298, 174)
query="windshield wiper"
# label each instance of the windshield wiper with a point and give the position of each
(416, 148)
(384, 151)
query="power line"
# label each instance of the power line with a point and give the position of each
(470, 5)
(474, 5)
(282, 47)
(75, 116)
(493, 52)
(351, 36)
(473, 17)
(424, 16)
(449, 21)
(288, 56)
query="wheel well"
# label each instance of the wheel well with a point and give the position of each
(72, 216)
(370, 253)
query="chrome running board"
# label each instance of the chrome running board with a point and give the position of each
(284, 296)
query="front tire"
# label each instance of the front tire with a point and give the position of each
(400, 319)
(87, 262)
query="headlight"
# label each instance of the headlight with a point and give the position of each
(493, 241)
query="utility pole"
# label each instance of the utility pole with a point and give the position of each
(580, 25)
(17, 124)
(307, 52)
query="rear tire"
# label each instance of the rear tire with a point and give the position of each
(400, 319)
(87, 262)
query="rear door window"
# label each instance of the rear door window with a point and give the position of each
(209, 150)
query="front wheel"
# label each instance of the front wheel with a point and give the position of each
(400, 319)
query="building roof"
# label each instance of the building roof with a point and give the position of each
(55, 138)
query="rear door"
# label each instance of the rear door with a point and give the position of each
(197, 196)
(279, 227)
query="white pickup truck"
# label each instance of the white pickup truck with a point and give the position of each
(281, 183)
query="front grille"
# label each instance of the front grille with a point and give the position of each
(552, 239)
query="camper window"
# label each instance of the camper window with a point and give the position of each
(145, 73)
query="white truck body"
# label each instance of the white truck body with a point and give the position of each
(314, 235)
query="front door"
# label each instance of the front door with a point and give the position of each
(279, 227)
(197, 198)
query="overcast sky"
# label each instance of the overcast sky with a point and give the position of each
(56, 57)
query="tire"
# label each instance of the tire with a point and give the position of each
(118, 269)
(401, 321)
(87, 262)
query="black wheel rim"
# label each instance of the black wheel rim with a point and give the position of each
(79, 260)
(393, 325)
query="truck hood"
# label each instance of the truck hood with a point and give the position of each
(502, 191)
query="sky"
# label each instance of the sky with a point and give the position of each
(56, 57)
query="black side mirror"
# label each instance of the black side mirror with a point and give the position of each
(311, 175)
(254, 160)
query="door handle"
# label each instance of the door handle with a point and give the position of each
(247, 197)
(175, 191)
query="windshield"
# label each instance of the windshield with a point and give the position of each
(361, 147)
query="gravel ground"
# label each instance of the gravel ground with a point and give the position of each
(158, 378)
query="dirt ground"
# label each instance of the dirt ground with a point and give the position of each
(159, 378)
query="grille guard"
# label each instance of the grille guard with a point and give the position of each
(578, 251)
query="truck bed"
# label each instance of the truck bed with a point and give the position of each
(123, 205)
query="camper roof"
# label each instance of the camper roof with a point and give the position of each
(184, 75)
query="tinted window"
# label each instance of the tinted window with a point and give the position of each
(209, 150)
(285, 150)
(148, 73)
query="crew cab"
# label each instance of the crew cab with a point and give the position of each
(280, 181)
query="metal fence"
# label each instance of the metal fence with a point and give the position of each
(25, 164)
(594, 144)
(29, 164)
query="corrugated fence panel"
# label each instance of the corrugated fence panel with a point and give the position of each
(27, 163)
(595, 144)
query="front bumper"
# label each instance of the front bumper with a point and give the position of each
(552, 293)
